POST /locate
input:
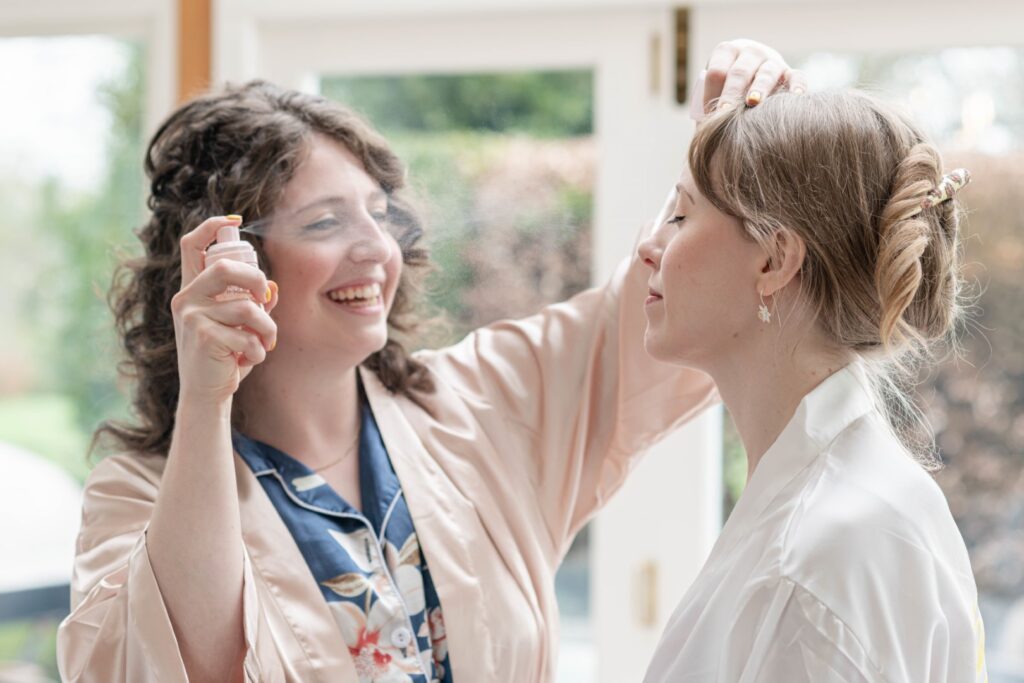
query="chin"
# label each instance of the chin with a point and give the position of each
(655, 346)
(377, 340)
(674, 351)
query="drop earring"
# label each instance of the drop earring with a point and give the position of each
(762, 311)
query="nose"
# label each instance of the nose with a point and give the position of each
(650, 252)
(373, 243)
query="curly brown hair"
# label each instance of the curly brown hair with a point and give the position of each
(234, 152)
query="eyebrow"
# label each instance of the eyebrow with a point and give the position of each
(680, 188)
(377, 196)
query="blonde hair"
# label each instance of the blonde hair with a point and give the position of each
(848, 174)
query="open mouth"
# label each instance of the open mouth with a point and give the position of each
(362, 297)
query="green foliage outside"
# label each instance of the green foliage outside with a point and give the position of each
(542, 104)
(68, 244)
(64, 319)
(455, 132)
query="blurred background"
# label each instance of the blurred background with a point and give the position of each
(539, 136)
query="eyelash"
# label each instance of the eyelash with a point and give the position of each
(323, 224)
(677, 219)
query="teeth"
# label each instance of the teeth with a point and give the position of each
(351, 293)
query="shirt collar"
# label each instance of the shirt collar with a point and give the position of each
(378, 483)
(822, 415)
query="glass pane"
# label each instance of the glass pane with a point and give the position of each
(504, 165)
(971, 101)
(71, 186)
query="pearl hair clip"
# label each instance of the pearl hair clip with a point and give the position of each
(950, 184)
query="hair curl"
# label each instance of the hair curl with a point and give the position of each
(848, 175)
(234, 152)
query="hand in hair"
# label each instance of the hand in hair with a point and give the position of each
(745, 71)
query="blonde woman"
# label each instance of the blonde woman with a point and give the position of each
(808, 262)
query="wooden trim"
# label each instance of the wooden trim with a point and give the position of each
(194, 48)
(681, 52)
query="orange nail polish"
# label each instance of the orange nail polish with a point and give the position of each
(234, 217)
(268, 296)
(754, 97)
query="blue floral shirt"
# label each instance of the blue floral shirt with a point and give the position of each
(368, 564)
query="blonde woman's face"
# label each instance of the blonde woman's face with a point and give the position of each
(703, 300)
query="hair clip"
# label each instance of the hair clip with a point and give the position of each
(950, 184)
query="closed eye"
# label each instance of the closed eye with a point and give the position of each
(677, 219)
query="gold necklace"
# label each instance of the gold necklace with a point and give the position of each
(344, 456)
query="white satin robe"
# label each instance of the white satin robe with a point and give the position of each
(535, 423)
(841, 563)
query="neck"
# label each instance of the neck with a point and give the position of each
(763, 384)
(306, 409)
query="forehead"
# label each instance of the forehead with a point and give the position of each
(686, 189)
(329, 170)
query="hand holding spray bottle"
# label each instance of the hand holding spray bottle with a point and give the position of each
(230, 245)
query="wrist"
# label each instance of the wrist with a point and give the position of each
(198, 407)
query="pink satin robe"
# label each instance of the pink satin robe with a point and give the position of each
(535, 423)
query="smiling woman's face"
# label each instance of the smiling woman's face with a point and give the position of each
(703, 299)
(335, 262)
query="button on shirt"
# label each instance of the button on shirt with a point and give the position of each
(840, 563)
(367, 564)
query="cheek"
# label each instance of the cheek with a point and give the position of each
(393, 268)
(305, 272)
(705, 284)
(692, 267)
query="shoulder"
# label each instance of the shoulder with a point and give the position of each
(870, 497)
(127, 468)
(874, 542)
(122, 485)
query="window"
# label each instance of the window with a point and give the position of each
(504, 165)
(71, 185)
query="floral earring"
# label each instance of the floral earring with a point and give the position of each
(762, 311)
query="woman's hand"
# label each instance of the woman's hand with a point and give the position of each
(219, 341)
(745, 71)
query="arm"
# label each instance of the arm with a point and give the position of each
(179, 547)
(570, 398)
(119, 630)
(571, 394)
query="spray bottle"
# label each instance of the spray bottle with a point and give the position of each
(230, 245)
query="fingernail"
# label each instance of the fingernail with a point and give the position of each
(725, 106)
(754, 97)
(268, 295)
(234, 217)
(798, 90)
(273, 345)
